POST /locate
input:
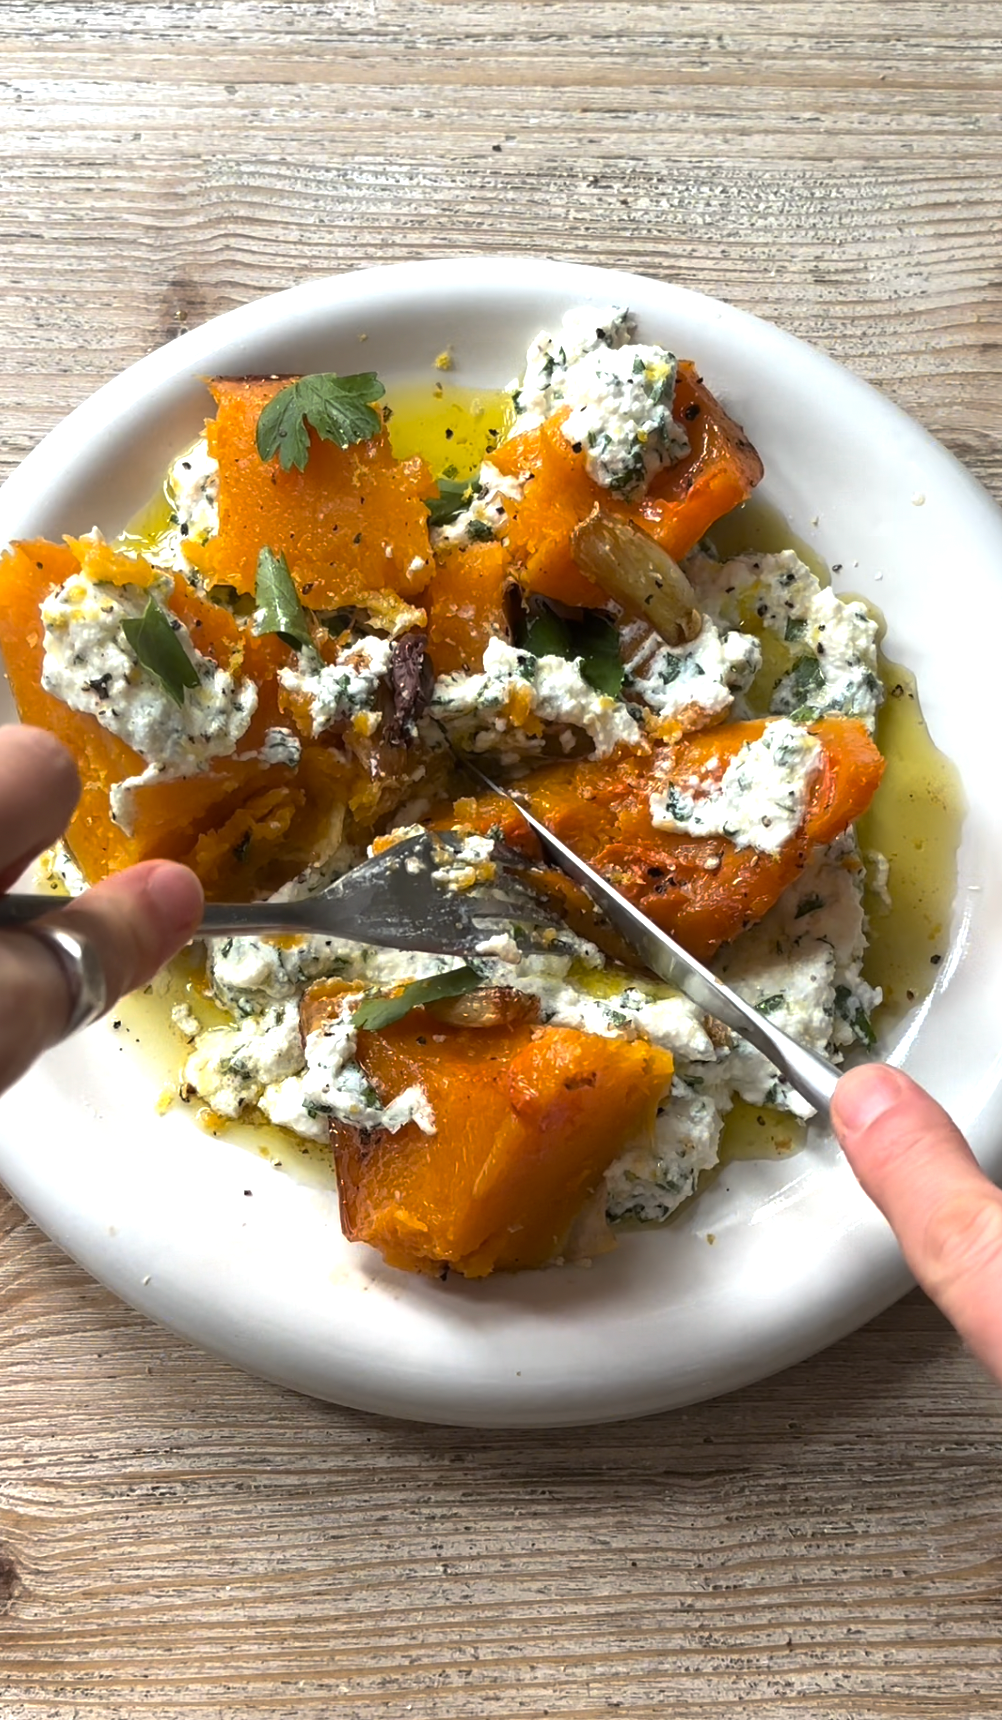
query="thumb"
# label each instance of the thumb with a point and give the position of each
(136, 920)
(916, 1166)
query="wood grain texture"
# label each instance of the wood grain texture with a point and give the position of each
(178, 1540)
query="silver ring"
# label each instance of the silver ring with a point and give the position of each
(83, 970)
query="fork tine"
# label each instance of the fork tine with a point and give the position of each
(395, 898)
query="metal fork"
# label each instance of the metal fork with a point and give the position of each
(391, 900)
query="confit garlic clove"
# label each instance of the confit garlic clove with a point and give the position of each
(638, 574)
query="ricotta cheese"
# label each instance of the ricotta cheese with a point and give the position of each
(280, 746)
(694, 684)
(340, 691)
(486, 516)
(89, 664)
(760, 800)
(230, 1067)
(651, 1180)
(192, 491)
(620, 396)
(261, 1063)
(330, 1084)
(802, 967)
(497, 708)
(469, 864)
(832, 642)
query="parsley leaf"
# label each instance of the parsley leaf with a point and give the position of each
(278, 607)
(807, 675)
(159, 650)
(601, 666)
(848, 1006)
(376, 1012)
(594, 640)
(338, 408)
(769, 1005)
(548, 635)
(453, 496)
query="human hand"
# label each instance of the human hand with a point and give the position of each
(916, 1166)
(135, 921)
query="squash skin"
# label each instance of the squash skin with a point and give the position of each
(701, 890)
(332, 521)
(528, 1119)
(683, 501)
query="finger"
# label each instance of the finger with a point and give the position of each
(136, 921)
(39, 787)
(916, 1166)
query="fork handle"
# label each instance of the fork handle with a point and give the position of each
(220, 919)
(224, 919)
(21, 909)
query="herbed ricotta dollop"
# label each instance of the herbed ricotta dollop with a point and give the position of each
(695, 684)
(464, 867)
(345, 689)
(495, 710)
(192, 491)
(261, 1063)
(486, 516)
(761, 799)
(280, 746)
(647, 1183)
(620, 396)
(89, 664)
(329, 1084)
(832, 642)
(801, 965)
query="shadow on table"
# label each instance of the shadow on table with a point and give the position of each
(904, 1376)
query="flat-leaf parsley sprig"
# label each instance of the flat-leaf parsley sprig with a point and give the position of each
(339, 409)
(593, 641)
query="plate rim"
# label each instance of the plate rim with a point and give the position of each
(507, 1405)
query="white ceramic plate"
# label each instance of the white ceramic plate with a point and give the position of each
(158, 1211)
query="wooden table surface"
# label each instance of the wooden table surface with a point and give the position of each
(176, 1539)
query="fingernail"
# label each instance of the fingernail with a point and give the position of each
(178, 897)
(863, 1095)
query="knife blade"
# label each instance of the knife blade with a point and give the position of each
(813, 1077)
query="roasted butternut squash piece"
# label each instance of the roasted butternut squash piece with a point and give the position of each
(527, 1120)
(721, 470)
(352, 522)
(244, 826)
(169, 815)
(702, 890)
(466, 606)
(558, 494)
